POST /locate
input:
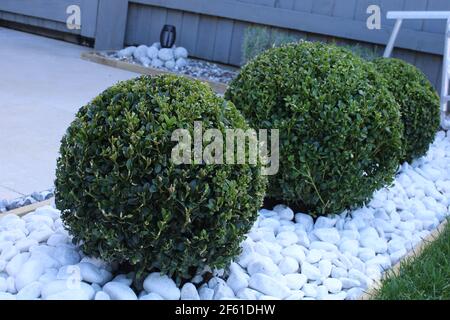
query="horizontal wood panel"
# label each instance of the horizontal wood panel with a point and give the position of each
(51, 12)
(335, 26)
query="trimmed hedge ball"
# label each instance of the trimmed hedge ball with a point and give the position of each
(124, 200)
(419, 104)
(340, 129)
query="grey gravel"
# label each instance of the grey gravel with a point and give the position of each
(194, 68)
(6, 205)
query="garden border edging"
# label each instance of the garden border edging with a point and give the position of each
(218, 87)
(29, 208)
(371, 292)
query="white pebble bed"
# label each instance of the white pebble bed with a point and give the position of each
(174, 59)
(286, 255)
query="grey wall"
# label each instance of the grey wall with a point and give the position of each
(214, 29)
(50, 14)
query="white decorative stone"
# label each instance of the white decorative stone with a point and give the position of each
(25, 244)
(206, 293)
(102, 295)
(170, 64)
(366, 254)
(284, 212)
(303, 238)
(333, 285)
(294, 251)
(140, 52)
(325, 268)
(29, 272)
(66, 256)
(325, 222)
(162, 285)
(348, 283)
(30, 292)
(237, 281)
(305, 220)
(165, 54)
(314, 256)
(262, 264)
(329, 235)
(338, 272)
(126, 52)
(8, 252)
(151, 296)
(119, 291)
(310, 271)
(295, 281)
(351, 246)
(3, 285)
(7, 296)
(152, 52)
(157, 63)
(56, 239)
(64, 290)
(189, 292)
(248, 294)
(323, 246)
(267, 285)
(310, 290)
(222, 291)
(14, 265)
(376, 243)
(287, 238)
(11, 285)
(180, 63)
(93, 274)
(354, 293)
(288, 265)
(180, 52)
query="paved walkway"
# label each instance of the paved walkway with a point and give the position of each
(43, 82)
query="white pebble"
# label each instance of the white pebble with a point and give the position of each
(333, 285)
(267, 285)
(329, 235)
(314, 256)
(180, 52)
(119, 291)
(284, 212)
(189, 292)
(305, 220)
(310, 271)
(162, 285)
(295, 281)
(30, 292)
(288, 265)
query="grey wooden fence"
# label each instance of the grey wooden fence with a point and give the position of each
(214, 29)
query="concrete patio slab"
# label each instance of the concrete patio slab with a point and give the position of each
(43, 82)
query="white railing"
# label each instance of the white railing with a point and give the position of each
(433, 15)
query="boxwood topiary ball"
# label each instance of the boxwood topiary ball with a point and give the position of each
(340, 129)
(419, 104)
(124, 200)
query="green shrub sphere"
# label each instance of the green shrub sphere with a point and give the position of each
(124, 200)
(340, 129)
(419, 104)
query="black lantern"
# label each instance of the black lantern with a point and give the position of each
(168, 36)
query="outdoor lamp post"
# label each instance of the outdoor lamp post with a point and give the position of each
(168, 36)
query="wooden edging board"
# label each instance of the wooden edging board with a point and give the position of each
(218, 87)
(27, 209)
(410, 256)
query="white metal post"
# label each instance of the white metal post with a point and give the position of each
(390, 45)
(445, 69)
